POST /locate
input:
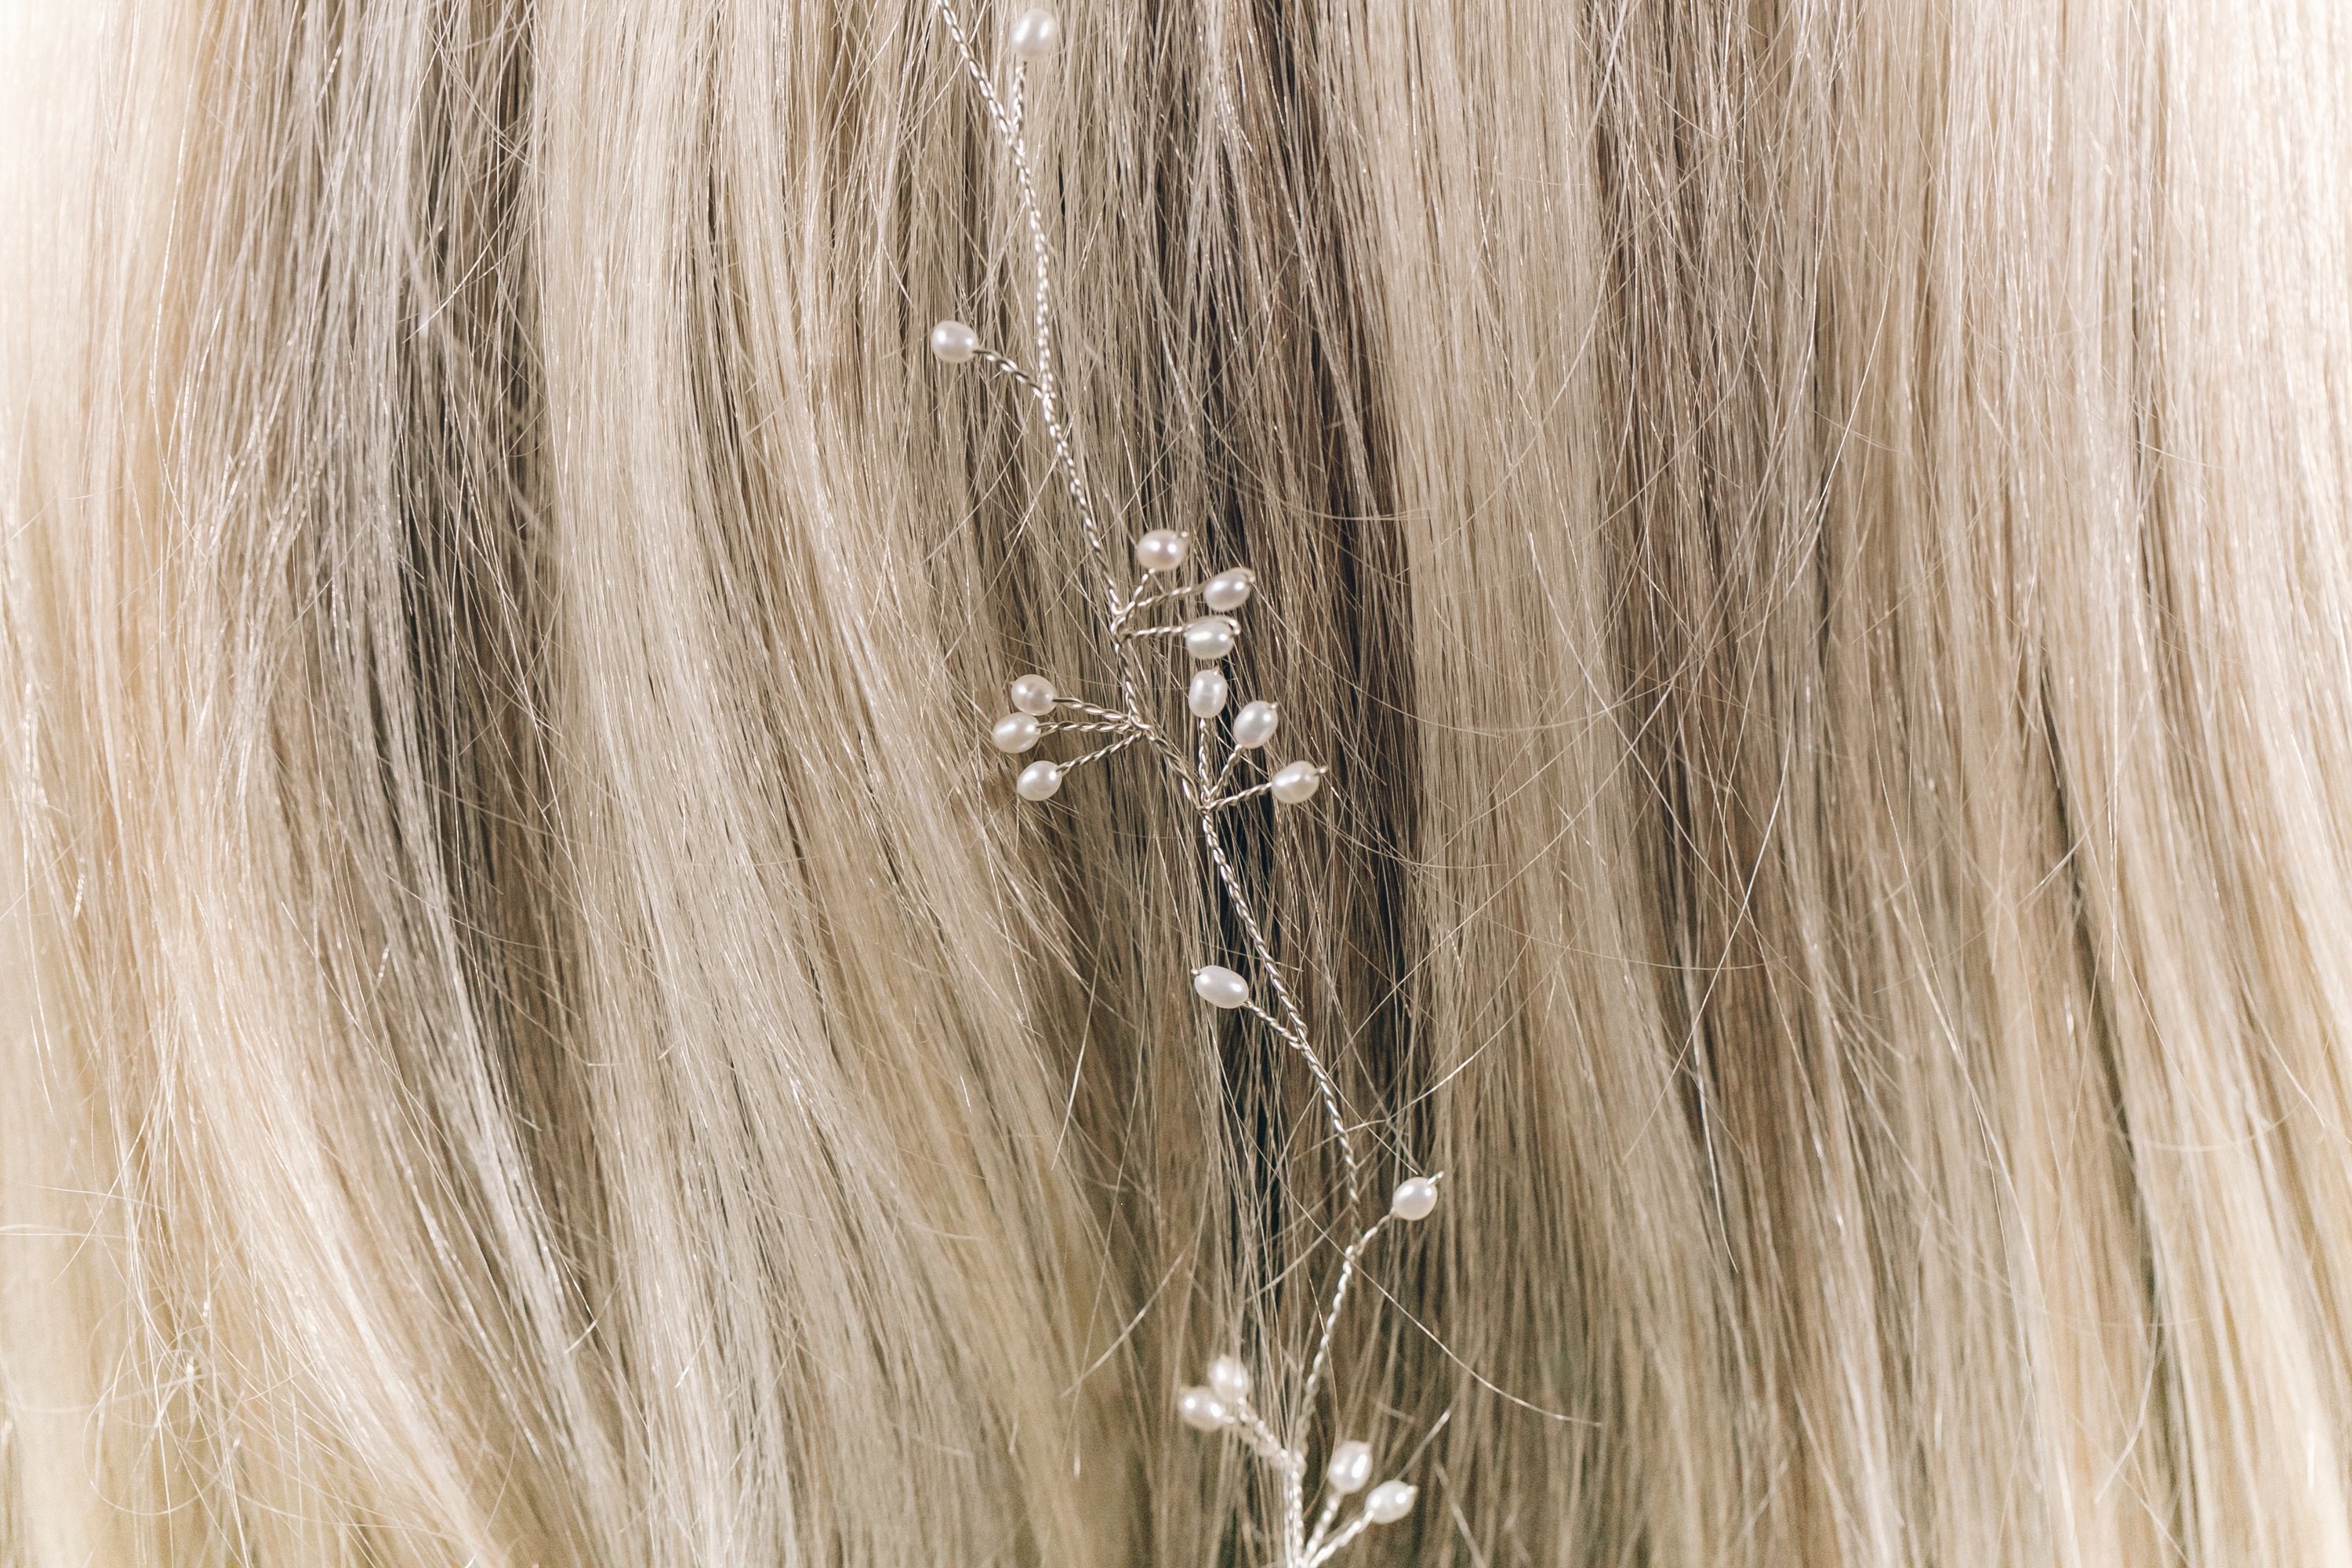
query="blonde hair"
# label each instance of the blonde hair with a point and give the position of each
(1812, 536)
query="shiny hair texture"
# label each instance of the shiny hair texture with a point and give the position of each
(1810, 534)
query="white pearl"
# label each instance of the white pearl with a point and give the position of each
(1416, 1197)
(1210, 637)
(1254, 725)
(954, 342)
(1390, 1501)
(1230, 589)
(1035, 33)
(1350, 1469)
(1229, 1380)
(1034, 694)
(1161, 549)
(1203, 1410)
(1294, 781)
(1221, 987)
(1038, 781)
(1016, 732)
(1206, 696)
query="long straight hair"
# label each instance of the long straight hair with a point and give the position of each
(1813, 535)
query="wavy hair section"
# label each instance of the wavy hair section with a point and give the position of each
(1811, 537)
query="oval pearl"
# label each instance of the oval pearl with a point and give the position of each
(1206, 696)
(1038, 781)
(1210, 637)
(1230, 589)
(1254, 725)
(1034, 694)
(1016, 732)
(1350, 1469)
(1161, 549)
(1202, 1410)
(954, 342)
(1390, 1501)
(1220, 986)
(1035, 33)
(1416, 1197)
(1295, 782)
(1229, 1380)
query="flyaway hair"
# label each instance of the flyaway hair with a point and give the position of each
(1808, 539)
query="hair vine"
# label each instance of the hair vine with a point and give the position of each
(1167, 630)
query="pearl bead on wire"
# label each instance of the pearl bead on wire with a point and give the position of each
(1390, 1501)
(1035, 694)
(1220, 986)
(1035, 33)
(1161, 549)
(1208, 639)
(954, 342)
(1206, 696)
(1202, 1410)
(1294, 781)
(1415, 1197)
(1230, 589)
(1254, 725)
(1016, 732)
(1229, 1380)
(1350, 1469)
(1038, 781)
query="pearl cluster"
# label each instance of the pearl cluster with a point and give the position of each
(1222, 1403)
(1207, 639)
(1142, 610)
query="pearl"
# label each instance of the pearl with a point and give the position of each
(1229, 1380)
(1295, 782)
(1230, 589)
(1035, 33)
(1254, 725)
(1350, 1469)
(1390, 1501)
(1161, 549)
(1415, 1197)
(1016, 732)
(1034, 694)
(1210, 637)
(1038, 781)
(1221, 987)
(1202, 1410)
(1206, 696)
(954, 342)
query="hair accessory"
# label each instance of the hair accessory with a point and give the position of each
(1141, 614)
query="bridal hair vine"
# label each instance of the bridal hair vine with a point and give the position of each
(1141, 615)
